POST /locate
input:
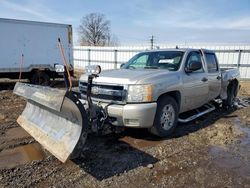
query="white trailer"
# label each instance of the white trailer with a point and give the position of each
(32, 47)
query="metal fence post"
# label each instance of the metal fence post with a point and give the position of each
(89, 57)
(115, 59)
(239, 59)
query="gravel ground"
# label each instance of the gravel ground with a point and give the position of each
(213, 151)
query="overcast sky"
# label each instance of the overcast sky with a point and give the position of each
(134, 21)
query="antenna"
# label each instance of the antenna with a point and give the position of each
(152, 42)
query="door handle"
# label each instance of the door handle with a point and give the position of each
(218, 77)
(204, 79)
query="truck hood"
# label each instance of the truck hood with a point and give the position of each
(127, 76)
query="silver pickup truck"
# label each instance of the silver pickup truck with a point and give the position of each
(153, 90)
(155, 87)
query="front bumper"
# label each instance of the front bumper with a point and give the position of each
(139, 115)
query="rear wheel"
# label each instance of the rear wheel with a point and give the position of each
(231, 95)
(40, 78)
(166, 117)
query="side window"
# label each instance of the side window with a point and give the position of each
(194, 56)
(212, 64)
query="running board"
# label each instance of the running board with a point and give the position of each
(209, 107)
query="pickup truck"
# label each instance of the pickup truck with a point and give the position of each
(154, 87)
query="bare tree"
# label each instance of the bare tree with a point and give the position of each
(112, 40)
(94, 30)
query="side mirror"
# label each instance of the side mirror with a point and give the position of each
(193, 66)
(122, 65)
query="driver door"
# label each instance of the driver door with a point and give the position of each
(195, 84)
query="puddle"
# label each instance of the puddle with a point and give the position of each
(235, 157)
(140, 143)
(20, 155)
(235, 161)
(246, 130)
(224, 158)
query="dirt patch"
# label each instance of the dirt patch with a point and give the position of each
(212, 151)
(139, 143)
(15, 133)
(245, 88)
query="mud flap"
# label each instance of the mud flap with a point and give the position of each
(53, 117)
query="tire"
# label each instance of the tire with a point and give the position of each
(166, 117)
(40, 78)
(229, 102)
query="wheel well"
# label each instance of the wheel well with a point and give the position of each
(175, 94)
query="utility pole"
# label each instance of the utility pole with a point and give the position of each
(152, 42)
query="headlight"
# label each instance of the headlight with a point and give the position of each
(140, 93)
(93, 69)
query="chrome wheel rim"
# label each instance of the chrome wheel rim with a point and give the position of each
(167, 117)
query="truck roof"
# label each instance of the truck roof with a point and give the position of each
(33, 22)
(178, 50)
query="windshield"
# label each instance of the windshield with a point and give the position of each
(169, 60)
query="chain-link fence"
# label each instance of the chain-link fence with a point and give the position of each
(113, 57)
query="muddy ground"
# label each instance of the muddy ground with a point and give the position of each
(213, 151)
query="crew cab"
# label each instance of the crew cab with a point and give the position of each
(154, 87)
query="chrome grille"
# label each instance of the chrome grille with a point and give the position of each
(104, 92)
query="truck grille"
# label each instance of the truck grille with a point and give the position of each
(104, 92)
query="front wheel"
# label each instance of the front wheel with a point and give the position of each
(166, 117)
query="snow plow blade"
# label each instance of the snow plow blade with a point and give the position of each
(53, 117)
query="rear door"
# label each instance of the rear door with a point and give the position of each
(214, 75)
(195, 84)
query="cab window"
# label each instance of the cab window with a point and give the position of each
(212, 64)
